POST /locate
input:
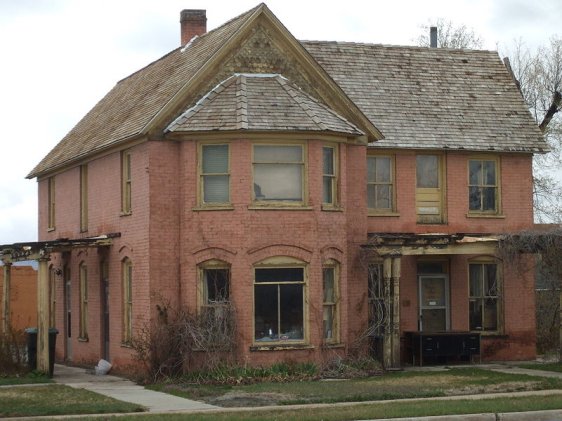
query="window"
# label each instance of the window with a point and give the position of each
(126, 200)
(278, 173)
(279, 304)
(51, 204)
(329, 176)
(377, 307)
(52, 297)
(484, 298)
(83, 310)
(483, 186)
(214, 174)
(380, 183)
(215, 288)
(429, 189)
(127, 274)
(83, 198)
(330, 302)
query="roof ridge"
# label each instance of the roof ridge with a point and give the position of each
(291, 92)
(207, 98)
(241, 102)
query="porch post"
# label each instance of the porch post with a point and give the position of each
(43, 311)
(387, 344)
(396, 262)
(6, 296)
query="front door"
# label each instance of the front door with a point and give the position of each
(434, 303)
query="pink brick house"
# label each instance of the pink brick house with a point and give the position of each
(339, 195)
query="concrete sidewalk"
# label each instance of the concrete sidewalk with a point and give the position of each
(125, 390)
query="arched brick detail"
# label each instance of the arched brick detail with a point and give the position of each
(217, 253)
(332, 252)
(297, 252)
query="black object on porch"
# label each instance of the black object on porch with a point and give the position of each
(442, 346)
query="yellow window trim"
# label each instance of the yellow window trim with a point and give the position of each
(497, 213)
(201, 205)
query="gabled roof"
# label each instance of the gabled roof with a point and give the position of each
(433, 97)
(260, 102)
(417, 97)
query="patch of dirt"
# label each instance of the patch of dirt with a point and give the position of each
(493, 388)
(242, 399)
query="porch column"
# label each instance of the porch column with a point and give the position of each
(6, 296)
(396, 263)
(43, 315)
(387, 344)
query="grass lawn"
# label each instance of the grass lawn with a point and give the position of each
(57, 400)
(378, 410)
(543, 366)
(460, 381)
(28, 378)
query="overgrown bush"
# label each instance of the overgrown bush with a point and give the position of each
(13, 352)
(167, 347)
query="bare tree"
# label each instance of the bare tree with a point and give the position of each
(450, 36)
(539, 77)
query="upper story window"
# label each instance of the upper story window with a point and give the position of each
(279, 173)
(329, 176)
(214, 174)
(380, 183)
(485, 297)
(429, 189)
(84, 198)
(51, 203)
(483, 192)
(126, 191)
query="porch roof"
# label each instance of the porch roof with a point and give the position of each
(37, 249)
(411, 244)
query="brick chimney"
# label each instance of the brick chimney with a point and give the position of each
(193, 22)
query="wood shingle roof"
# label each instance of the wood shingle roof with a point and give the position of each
(417, 97)
(260, 102)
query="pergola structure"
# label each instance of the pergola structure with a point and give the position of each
(390, 247)
(40, 252)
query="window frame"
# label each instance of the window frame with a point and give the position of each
(383, 211)
(334, 266)
(126, 183)
(52, 297)
(201, 176)
(498, 297)
(498, 209)
(202, 285)
(51, 206)
(282, 262)
(304, 177)
(83, 304)
(334, 177)
(84, 198)
(127, 294)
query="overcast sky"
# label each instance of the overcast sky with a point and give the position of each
(59, 57)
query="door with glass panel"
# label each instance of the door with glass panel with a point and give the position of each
(434, 303)
(429, 189)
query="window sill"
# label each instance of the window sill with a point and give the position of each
(82, 231)
(51, 229)
(333, 345)
(126, 345)
(279, 347)
(332, 208)
(279, 207)
(491, 335)
(212, 208)
(126, 213)
(392, 214)
(83, 340)
(485, 215)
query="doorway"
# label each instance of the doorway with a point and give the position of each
(67, 314)
(434, 303)
(104, 282)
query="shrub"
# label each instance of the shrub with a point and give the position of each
(13, 352)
